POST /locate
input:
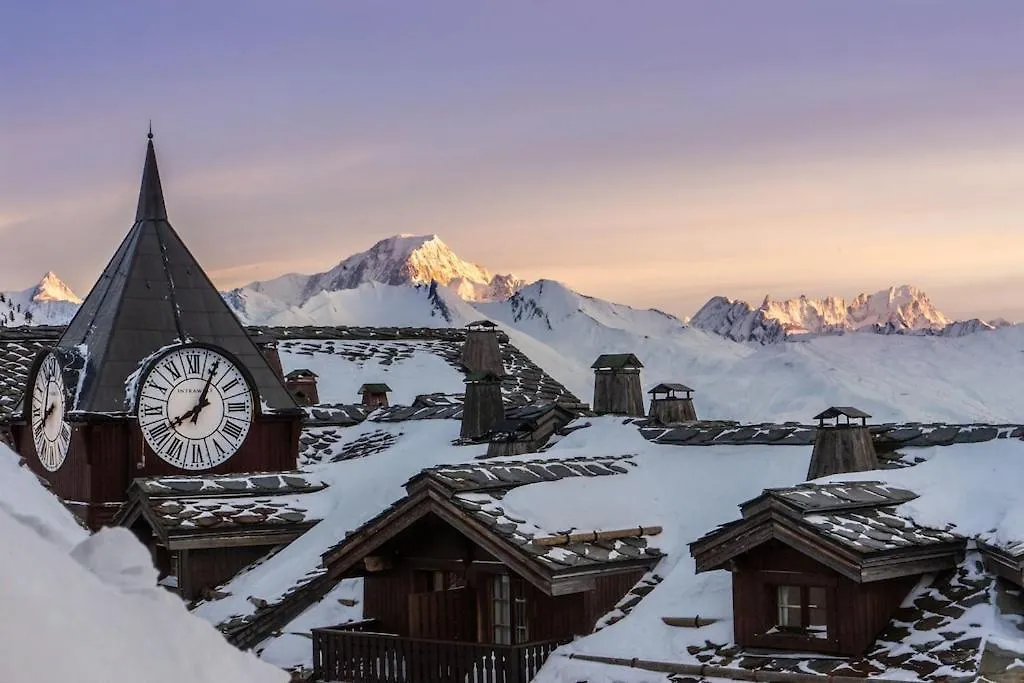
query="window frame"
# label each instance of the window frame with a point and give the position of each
(509, 615)
(772, 637)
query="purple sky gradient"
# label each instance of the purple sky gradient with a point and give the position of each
(653, 153)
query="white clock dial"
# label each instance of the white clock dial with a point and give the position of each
(195, 408)
(51, 432)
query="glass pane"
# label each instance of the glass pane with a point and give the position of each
(502, 611)
(788, 600)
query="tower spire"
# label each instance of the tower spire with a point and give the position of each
(151, 194)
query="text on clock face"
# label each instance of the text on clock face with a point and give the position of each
(195, 408)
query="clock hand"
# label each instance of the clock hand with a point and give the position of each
(206, 390)
(178, 420)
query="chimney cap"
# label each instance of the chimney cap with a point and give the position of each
(616, 361)
(846, 411)
(374, 388)
(301, 373)
(669, 387)
(482, 323)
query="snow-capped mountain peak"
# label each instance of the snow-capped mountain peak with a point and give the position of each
(52, 288)
(900, 309)
(399, 260)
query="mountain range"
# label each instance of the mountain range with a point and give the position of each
(909, 370)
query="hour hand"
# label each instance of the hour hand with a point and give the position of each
(206, 390)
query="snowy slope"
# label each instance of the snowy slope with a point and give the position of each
(87, 608)
(398, 260)
(51, 302)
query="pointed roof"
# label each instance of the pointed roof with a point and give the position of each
(153, 293)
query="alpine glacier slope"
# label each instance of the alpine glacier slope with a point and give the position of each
(88, 609)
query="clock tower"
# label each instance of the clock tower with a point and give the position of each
(154, 376)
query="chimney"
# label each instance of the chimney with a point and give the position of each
(617, 389)
(301, 384)
(668, 407)
(375, 395)
(842, 445)
(481, 351)
(482, 407)
(267, 345)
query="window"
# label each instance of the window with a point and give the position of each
(435, 581)
(509, 611)
(801, 610)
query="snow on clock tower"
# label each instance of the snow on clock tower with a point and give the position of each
(154, 376)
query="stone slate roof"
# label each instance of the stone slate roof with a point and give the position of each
(524, 383)
(505, 476)
(885, 436)
(938, 636)
(17, 354)
(153, 293)
(860, 515)
(337, 414)
(326, 444)
(202, 504)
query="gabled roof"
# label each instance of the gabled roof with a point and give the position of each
(250, 509)
(853, 528)
(845, 411)
(616, 361)
(470, 498)
(374, 388)
(153, 293)
(666, 387)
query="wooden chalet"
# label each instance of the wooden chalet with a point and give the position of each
(672, 403)
(152, 300)
(202, 530)
(823, 568)
(527, 429)
(617, 389)
(301, 384)
(375, 394)
(456, 584)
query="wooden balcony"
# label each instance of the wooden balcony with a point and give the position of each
(353, 653)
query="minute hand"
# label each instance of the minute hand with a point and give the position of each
(206, 390)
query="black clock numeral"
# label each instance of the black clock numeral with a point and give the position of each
(232, 429)
(151, 411)
(37, 429)
(236, 407)
(220, 449)
(160, 434)
(197, 456)
(174, 448)
(159, 387)
(65, 432)
(193, 363)
(172, 369)
(230, 385)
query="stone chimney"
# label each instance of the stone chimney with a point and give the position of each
(301, 384)
(267, 345)
(617, 389)
(842, 444)
(481, 351)
(483, 406)
(375, 395)
(668, 407)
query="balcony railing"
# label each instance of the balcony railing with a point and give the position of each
(354, 654)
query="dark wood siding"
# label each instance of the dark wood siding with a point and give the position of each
(857, 613)
(607, 593)
(386, 599)
(208, 567)
(443, 615)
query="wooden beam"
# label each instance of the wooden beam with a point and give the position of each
(377, 563)
(597, 536)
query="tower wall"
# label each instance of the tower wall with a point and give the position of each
(482, 408)
(672, 410)
(481, 352)
(838, 450)
(618, 392)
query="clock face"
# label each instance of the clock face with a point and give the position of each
(51, 432)
(195, 408)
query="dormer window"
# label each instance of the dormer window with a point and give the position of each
(801, 611)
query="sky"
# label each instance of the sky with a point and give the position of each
(654, 153)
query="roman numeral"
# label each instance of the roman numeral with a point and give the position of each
(151, 411)
(232, 429)
(158, 387)
(65, 433)
(160, 434)
(230, 385)
(37, 429)
(220, 449)
(197, 456)
(174, 448)
(193, 363)
(236, 407)
(173, 370)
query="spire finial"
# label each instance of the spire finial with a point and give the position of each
(149, 135)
